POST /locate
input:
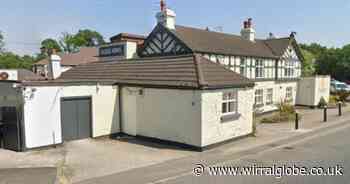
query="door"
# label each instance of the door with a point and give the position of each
(10, 129)
(76, 118)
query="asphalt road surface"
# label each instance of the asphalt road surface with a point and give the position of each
(315, 156)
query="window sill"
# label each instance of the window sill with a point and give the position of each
(230, 117)
(258, 105)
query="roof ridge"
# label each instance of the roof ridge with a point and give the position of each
(200, 29)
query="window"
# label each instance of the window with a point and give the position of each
(259, 98)
(243, 67)
(289, 94)
(269, 96)
(259, 70)
(289, 69)
(116, 50)
(229, 103)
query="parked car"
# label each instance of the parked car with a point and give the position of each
(337, 86)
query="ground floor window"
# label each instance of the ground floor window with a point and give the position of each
(269, 96)
(229, 103)
(259, 98)
(289, 94)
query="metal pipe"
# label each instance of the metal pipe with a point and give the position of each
(296, 121)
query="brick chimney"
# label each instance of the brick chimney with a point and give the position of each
(166, 17)
(248, 31)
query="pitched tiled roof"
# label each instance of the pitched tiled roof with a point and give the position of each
(26, 75)
(190, 71)
(85, 55)
(200, 40)
(278, 45)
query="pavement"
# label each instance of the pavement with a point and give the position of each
(328, 151)
(266, 139)
(109, 160)
(32, 175)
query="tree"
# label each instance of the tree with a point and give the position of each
(2, 43)
(9, 60)
(88, 38)
(51, 44)
(308, 64)
(84, 38)
(68, 43)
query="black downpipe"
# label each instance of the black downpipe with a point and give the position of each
(120, 89)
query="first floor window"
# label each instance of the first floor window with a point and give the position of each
(229, 103)
(243, 67)
(269, 96)
(289, 69)
(259, 97)
(289, 94)
(259, 69)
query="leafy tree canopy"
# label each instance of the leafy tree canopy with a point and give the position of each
(330, 61)
(2, 43)
(9, 60)
(51, 44)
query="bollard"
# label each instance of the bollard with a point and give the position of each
(325, 114)
(340, 110)
(296, 121)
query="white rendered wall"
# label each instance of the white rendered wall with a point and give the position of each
(105, 109)
(213, 131)
(42, 117)
(13, 74)
(172, 115)
(279, 93)
(42, 113)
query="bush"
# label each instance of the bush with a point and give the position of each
(286, 108)
(286, 113)
(322, 103)
(343, 96)
(333, 100)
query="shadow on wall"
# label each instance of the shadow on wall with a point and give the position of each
(115, 127)
(150, 142)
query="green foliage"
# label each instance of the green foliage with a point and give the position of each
(88, 38)
(10, 60)
(308, 64)
(343, 96)
(286, 113)
(323, 103)
(333, 100)
(286, 108)
(2, 43)
(51, 44)
(84, 38)
(67, 42)
(331, 61)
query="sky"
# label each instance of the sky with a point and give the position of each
(25, 23)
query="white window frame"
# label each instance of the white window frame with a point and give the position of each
(229, 98)
(259, 98)
(289, 94)
(269, 96)
(259, 68)
(243, 67)
(288, 68)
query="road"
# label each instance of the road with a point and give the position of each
(322, 151)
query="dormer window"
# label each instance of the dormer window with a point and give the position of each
(116, 50)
